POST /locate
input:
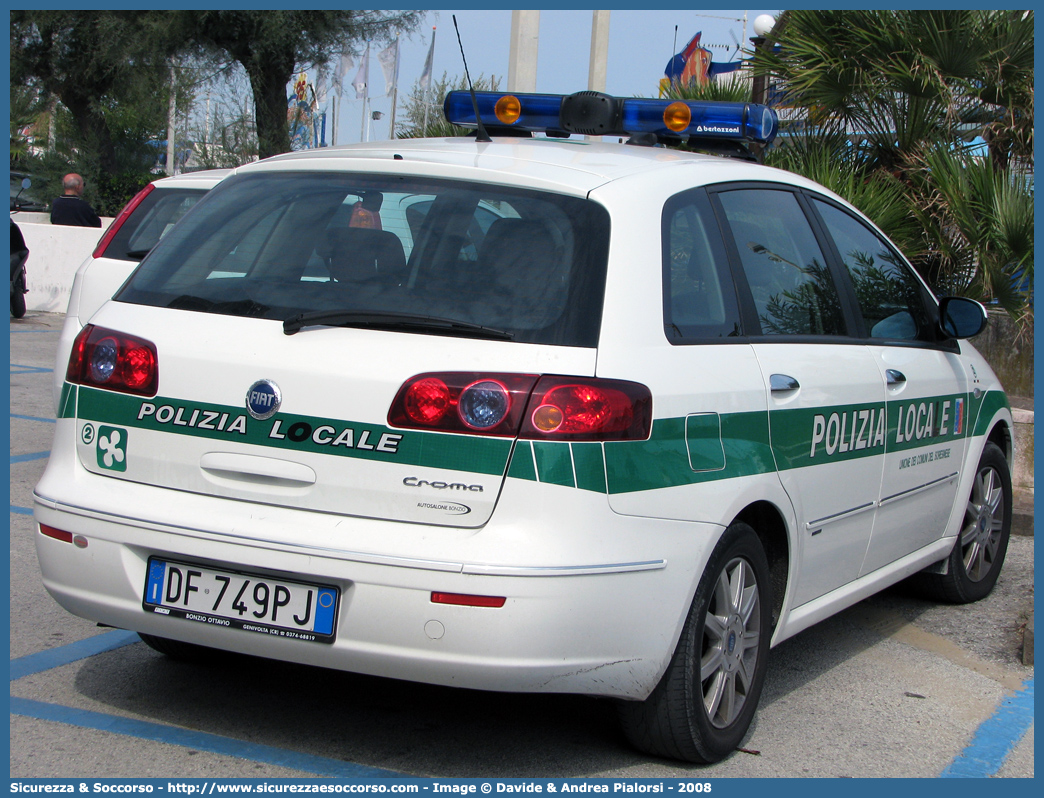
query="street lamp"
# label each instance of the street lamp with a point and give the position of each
(762, 27)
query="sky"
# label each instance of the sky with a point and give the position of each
(640, 45)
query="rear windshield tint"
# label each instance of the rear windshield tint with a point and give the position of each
(528, 263)
(151, 221)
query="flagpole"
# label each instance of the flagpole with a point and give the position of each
(394, 93)
(366, 91)
(333, 121)
(427, 75)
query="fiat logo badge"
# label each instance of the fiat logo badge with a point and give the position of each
(263, 399)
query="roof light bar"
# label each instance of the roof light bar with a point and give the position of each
(594, 113)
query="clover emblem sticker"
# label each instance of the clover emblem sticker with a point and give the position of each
(112, 448)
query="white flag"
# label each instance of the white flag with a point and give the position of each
(425, 77)
(320, 88)
(343, 66)
(389, 58)
(362, 77)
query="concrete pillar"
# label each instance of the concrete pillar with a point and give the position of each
(522, 55)
(599, 51)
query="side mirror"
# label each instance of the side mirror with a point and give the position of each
(960, 317)
(26, 182)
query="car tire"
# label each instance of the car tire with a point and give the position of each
(17, 300)
(179, 650)
(978, 553)
(704, 704)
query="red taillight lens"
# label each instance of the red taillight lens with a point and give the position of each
(114, 361)
(485, 404)
(426, 401)
(117, 223)
(564, 408)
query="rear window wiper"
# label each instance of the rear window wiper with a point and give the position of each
(393, 321)
(234, 307)
(138, 254)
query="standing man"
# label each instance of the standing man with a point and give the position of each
(69, 208)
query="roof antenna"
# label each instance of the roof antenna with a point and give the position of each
(480, 132)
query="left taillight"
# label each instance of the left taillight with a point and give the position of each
(114, 361)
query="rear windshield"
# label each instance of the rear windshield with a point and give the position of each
(151, 220)
(527, 263)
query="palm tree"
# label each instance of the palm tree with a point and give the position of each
(892, 108)
(422, 107)
(980, 218)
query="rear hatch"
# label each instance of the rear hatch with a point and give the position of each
(266, 349)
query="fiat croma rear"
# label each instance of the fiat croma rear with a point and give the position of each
(525, 414)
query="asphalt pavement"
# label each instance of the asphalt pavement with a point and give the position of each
(895, 686)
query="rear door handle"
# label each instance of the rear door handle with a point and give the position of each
(895, 378)
(783, 383)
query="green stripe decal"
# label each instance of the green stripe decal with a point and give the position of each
(298, 433)
(663, 460)
(589, 465)
(521, 466)
(986, 408)
(680, 451)
(554, 464)
(67, 402)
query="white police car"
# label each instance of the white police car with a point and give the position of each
(143, 221)
(525, 414)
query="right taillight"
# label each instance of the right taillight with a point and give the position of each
(581, 409)
(117, 223)
(549, 408)
(115, 361)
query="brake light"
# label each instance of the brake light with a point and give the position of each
(580, 409)
(115, 361)
(117, 223)
(489, 404)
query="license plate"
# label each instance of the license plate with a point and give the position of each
(254, 603)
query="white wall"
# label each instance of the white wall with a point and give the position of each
(55, 253)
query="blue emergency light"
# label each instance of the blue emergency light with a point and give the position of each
(595, 114)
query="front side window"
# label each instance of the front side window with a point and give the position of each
(528, 264)
(793, 291)
(699, 297)
(890, 297)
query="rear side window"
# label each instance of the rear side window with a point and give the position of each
(793, 291)
(151, 220)
(890, 298)
(527, 263)
(699, 296)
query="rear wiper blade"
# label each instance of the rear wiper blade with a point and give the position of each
(392, 321)
(233, 307)
(138, 254)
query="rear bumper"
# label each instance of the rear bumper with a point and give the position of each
(595, 600)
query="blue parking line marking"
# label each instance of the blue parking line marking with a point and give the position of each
(20, 369)
(21, 510)
(995, 738)
(25, 458)
(63, 655)
(33, 418)
(196, 740)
